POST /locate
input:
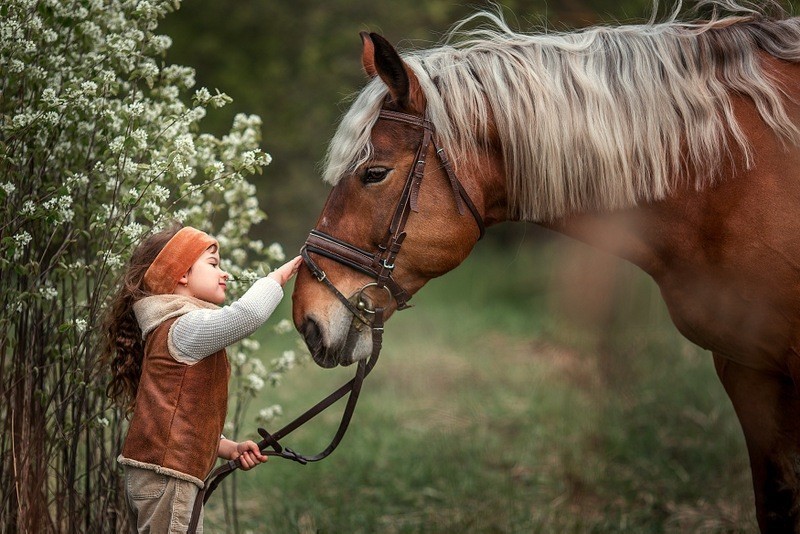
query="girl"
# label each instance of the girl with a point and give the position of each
(166, 340)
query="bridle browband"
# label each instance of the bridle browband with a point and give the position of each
(378, 265)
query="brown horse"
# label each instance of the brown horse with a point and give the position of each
(673, 145)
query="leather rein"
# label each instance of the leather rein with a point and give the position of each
(379, 265)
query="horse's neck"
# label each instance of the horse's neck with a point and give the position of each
(622, 233)
(628, 234)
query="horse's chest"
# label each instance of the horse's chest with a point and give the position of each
(734, 319)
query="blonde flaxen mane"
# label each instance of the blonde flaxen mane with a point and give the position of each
(596, 119)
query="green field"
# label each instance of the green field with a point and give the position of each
(527, 391)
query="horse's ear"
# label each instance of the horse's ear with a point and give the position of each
(403, 85)
(368, 55)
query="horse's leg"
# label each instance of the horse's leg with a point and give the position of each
(768, 408)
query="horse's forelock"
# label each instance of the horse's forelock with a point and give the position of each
(350, 146)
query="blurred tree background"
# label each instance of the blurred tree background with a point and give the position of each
(296, 63)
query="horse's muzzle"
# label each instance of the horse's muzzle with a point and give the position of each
(313, 338)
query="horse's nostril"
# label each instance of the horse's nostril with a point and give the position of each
(312, 335)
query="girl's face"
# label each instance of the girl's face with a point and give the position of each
(205, 280)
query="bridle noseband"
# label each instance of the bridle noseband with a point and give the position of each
(378, 265)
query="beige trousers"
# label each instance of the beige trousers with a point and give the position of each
(158, 503)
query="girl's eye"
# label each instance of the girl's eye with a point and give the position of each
(373, 175)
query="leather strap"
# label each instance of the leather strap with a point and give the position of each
(371, 264)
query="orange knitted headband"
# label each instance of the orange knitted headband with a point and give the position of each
(175, 259)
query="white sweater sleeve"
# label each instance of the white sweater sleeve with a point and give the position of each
(201, 333)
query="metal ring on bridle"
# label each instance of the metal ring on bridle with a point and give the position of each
(361, 304)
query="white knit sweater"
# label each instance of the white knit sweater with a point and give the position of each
(203, 328)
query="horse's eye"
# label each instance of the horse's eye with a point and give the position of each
(374, 175)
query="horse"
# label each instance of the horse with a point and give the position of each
(672, 144)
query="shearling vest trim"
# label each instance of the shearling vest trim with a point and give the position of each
(180, 411)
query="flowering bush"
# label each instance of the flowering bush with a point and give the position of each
(99, 145)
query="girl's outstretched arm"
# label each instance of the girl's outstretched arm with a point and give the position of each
(201, 333)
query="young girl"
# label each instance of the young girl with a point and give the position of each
(166, 340)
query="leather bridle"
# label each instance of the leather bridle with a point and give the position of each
(378, 265)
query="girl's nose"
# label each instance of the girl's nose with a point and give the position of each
(225, 275)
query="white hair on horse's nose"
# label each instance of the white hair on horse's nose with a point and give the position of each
(339, 326)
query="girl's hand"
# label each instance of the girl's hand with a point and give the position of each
(285, 272)
(248, 455)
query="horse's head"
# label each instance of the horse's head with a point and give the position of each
(377, 206)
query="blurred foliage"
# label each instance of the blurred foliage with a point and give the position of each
(295, 63)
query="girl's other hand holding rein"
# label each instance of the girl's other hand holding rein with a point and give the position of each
(246, 452)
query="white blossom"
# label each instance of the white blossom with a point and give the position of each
(79, 179)
(284, 326)
(238, 255)
(251, 344)
(152, 208)
(275, 251)
(216, 168)
(48, 292)
(202, 95)
(133, 231)
(265, 415)
(89, 88)
(160, 43)
(21, 240)
(254, 382)
(257, 367)
(139, 137)
(238, 358)
(256, 245)
(160, 193)
(28, 208)
(112, 259)
(116, 145)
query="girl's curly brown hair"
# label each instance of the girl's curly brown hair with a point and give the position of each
(123, 346)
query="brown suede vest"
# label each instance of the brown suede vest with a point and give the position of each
(180, 409)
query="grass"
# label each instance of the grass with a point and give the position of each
(540, 387)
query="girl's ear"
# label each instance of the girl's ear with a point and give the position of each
(184, 280)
